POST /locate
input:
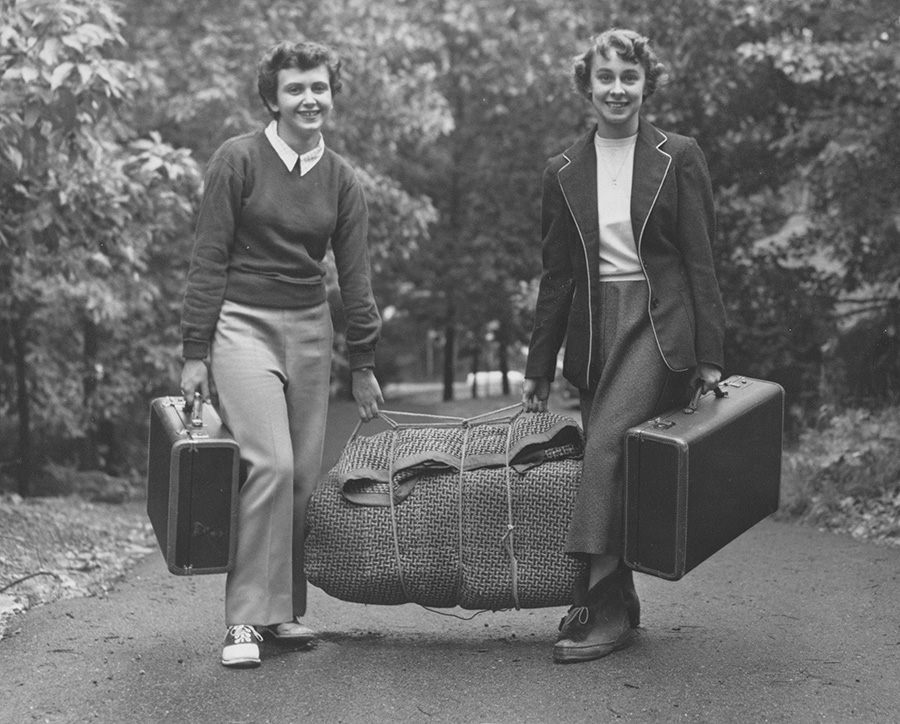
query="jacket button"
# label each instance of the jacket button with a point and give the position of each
(654, 303)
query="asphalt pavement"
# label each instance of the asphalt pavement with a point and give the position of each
(785, 624)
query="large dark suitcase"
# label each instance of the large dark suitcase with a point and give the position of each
(192, 487)
(696, 479)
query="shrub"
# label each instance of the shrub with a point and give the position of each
(853, 458)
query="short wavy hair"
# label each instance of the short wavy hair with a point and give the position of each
(630, 46)
(303, 56)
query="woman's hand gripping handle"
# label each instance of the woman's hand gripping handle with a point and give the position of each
(535, 392)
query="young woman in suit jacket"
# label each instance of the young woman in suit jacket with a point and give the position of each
(629, 283)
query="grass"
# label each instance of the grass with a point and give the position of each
(53, 548)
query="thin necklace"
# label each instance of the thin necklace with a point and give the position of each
(603, 155)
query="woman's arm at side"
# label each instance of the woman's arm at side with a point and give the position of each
(350, 245)
(351, 256)
(557, 284)
(696, 232)
(213, 237)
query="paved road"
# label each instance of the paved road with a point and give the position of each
(784, 625)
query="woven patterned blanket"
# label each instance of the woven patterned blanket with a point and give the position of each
(405, 453)
(434, 515)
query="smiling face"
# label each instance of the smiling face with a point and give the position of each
(303, 101)
(617, 92)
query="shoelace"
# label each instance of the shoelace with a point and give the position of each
(244, 634)
(581, 613)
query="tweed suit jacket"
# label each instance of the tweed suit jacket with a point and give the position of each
(673, 220)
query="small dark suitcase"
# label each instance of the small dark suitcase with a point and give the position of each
(192, 486)
(695, 479)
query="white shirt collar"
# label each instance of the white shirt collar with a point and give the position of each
(289, 156)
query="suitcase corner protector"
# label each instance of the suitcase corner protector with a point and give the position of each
(665, 575)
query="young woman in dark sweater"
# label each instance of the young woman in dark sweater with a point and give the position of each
(256, 327)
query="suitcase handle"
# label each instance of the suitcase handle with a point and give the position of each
(695, 400)
(195, 409)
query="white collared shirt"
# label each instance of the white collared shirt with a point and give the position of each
(289, 156)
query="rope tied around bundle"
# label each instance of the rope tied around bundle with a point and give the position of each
(507, 540)
(447, 512)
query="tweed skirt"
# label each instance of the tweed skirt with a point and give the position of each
(634, 385)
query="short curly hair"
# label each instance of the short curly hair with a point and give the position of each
(303, 56)
(630, 46)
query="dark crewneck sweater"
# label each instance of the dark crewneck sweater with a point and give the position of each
(261, 235)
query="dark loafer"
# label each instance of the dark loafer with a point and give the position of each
(629, 596)
(598, 628)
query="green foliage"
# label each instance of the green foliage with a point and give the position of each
(450, 110)
(846, 470)
(838, 72)
(842, 131)
(84, 203)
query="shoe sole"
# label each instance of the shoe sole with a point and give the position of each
(303, 639)
(294, 640)
(573, 655)
(241, 663)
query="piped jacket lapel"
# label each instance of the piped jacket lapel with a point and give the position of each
(651, 164)
(578, 180)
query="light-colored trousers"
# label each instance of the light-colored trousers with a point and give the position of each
(272, 370)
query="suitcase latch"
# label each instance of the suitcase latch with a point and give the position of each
(736, 382)
(659, 423)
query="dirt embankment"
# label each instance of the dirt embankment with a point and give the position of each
(52, 548)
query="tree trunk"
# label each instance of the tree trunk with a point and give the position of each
(23, 408)
(449, 358)
(475, 361)
(90, 454)
(503, 359)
